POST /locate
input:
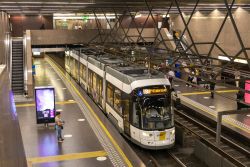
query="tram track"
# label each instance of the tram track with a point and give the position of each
(230, 149)
(157, 158)
(200, 130)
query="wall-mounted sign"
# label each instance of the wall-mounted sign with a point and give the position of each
(45, 104)
(247, 95)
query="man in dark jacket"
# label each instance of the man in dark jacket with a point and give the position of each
(212, 85)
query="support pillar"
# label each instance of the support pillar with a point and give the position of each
(218, 129)
(28, 78)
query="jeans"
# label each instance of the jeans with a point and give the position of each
(58, 132)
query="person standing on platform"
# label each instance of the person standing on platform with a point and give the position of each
(212, 85)
(171, 76)
(237, 77)
(59, 126)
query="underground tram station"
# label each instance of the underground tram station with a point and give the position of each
(147, 83)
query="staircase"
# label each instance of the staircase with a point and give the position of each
(17, 80)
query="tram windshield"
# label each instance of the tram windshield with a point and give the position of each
(155, 112)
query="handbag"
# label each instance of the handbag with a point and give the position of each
(61, 127)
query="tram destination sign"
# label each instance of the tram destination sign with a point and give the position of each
(154, 91)
(45, 104)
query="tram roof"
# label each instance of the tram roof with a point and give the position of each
(121, 69)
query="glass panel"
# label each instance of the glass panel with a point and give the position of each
(155, 112)
(76, 69)
(136, 115)
(110, 95)
(84, 72)
(117, 101)
(90, 79)
(94, 82)
(81, 68)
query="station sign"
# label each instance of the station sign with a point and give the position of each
(45, 104)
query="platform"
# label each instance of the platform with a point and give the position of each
(200, 101)
(90, 138)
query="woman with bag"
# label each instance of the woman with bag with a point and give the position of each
(59, 126)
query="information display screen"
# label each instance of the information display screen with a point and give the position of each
(45, 104)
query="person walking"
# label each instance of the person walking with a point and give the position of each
(59, 126)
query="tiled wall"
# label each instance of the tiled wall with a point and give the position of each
(205, 26)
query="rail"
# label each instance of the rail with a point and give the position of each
(214, 146)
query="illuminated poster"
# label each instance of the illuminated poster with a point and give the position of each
(45, 104)
(247, 95)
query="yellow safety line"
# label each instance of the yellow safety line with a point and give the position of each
(94, 114)
(194, 93)
(226, 121)
(66, 157)
(200, 93)
(33, 104)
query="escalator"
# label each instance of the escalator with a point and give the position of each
(17, 79)
(181, 46)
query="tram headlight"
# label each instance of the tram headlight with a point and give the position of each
(172, 132)
(146, 134)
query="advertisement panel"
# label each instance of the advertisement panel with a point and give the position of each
(45, 104)
(247, 95)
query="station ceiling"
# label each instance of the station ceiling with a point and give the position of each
(69, 6)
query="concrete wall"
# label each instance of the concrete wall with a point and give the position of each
(61, 37)
(205, 26)
(4, 29)
(21, 23)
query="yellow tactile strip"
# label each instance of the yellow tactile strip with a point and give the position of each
(207, 92)
(127, 161)
(225, 118)
(33, 104)
(65, 157)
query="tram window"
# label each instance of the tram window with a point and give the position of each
(81, 66)
(90, 78)
(99, 86)
(94, 82)
(76, 68)
(84, 72)
(117, 101)
(110, 94)
(136, 115)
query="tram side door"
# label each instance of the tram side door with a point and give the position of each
(126, 117)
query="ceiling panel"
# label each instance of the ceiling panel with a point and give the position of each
(52, 6)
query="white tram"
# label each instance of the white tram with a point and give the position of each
(138, 103)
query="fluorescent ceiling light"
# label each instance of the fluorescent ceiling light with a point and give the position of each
(139, 15)
(81, 17)
(223, 58)
(241, 61)
(63, 14)
(235, 60)
(164, 16)
(36, 53)
(55, 2)
(208, 17)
